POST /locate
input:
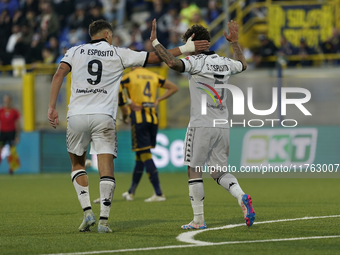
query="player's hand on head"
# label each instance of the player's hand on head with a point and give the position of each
(53, 117)
(233, 32)
(200, 45)
(153, 35)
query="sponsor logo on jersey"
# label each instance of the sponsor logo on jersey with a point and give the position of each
(94, 91)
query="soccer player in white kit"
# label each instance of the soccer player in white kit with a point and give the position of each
(97, 68)
(205, 142)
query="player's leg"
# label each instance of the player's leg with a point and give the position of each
(195, 154)
(152, 173)
(104, 144)
(106, 187)
(78, 138)
(138, 132)
(136, 177)
(150, 166)
(2, 144)
(218, 159)
(13, 157)
(81, 185)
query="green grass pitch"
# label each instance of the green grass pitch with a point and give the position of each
(40, 214)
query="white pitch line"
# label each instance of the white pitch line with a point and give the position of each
(195, 243)
(188, 237)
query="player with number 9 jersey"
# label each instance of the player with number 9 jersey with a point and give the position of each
(97, 69)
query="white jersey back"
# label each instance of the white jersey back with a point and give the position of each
(205, 71)
(96, 71)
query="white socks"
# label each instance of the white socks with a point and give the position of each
(196, 194)
(82, 192)
(106, 186)
(230, 183)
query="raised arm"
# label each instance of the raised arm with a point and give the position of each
(57, 81)
(190, 46)
(233, 39)
(166, 55)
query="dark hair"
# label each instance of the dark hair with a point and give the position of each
(201, 33)
(99, 25)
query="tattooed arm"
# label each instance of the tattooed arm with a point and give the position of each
(233, 39)
(57, 81)
(170, 60)
(168, 56)
(239, 54)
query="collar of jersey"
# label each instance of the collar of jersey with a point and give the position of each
(208, 52)
(99, 40)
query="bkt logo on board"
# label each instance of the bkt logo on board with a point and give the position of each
(279, 146)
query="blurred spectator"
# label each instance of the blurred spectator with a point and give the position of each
(117, 41)
(49, 24)
(30, 5)
(31, 19)
(10, 5)
(48, 56)
(77, 25)
(135, 45)
(287, 49)
(64, 10)
(266, 49)
(174, 41)
(109, 9)
(22, 46)
(12, 41)
(64, 46)
(95, 13)
(146, 32)
(158, 13)
(5, 32)
(187, 11)
(197, 19)
(165, 22)
(35, 49)
(18, 18)
(332, 44)
(53, 45)
(303, 51)
(213, 12)
(178, 27)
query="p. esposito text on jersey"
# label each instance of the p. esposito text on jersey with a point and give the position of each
(100, 53)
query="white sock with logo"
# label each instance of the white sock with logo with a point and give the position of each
(230, 183)
(196, 194)
(82, 192)
(107, 187)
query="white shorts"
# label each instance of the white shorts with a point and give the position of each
(99, 129)
(206, 146)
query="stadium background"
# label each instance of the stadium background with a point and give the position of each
(308, 57)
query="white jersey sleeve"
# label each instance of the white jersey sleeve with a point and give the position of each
(67, 59)
(131, 58)
(235, 66)
(191, 65)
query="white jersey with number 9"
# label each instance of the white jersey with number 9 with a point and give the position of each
(96, 71)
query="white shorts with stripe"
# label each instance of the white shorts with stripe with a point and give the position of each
(206, 146)
(99, 129)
